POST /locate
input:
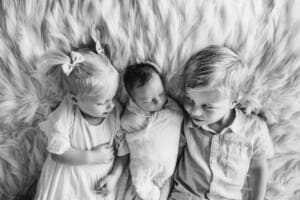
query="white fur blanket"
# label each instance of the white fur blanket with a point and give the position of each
(265, 32)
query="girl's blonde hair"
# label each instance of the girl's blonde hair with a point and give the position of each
(218, 67)
(94, 75)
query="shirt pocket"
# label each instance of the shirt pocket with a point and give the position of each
(237, 154)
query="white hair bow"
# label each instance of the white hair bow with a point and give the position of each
(76, 58)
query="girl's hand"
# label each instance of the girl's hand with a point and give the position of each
(106, 185)
(103, 153)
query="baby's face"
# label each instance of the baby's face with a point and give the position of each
(150, 97)
(206, 106)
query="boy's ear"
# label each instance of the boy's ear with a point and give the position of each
(74, 99)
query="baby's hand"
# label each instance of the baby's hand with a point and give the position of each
(106, 185)
(103, 153)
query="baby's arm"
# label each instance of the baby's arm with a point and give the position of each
(258, 180)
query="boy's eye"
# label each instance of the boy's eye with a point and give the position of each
(189, 101)
(204, 106)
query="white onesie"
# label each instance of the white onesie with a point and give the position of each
(153, 140)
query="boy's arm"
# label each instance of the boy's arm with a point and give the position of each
(258, 178)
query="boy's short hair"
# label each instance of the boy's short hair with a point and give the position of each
(218, 67)
(137, 75)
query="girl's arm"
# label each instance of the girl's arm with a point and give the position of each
(109, 183)
(258, 178)
(120, 164)
(101, 154)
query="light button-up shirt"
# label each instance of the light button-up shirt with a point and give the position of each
(215, 165)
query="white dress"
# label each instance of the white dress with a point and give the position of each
(67, 128)
(153, 141)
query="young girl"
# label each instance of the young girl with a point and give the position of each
(152, 123)
(83, 131)
(222, 143)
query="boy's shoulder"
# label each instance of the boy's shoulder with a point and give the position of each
(173, 107)
(251, 124)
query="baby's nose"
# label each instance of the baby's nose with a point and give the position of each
(155, 101)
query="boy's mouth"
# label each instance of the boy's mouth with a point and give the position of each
(198, 121)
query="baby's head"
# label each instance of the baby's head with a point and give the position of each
(89, 77)
(145, 86)
(213, 79)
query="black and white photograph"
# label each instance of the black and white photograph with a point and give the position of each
(149, 100)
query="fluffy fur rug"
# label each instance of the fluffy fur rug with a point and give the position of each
(265, 32)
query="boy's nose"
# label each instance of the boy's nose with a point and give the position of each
(195, 111)
(110, 105)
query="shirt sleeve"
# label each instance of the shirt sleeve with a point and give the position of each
(263, 146)
(57, 128)
(121, 144)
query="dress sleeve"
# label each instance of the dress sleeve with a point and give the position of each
(263, 146)
(58, 126)
(121, 144)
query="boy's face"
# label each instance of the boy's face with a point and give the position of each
(206, 106)
(150, 97)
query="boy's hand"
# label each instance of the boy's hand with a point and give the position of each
(103, 153)
(106, 185)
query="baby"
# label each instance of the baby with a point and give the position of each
(151, 122)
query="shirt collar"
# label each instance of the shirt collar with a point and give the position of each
(235, 126)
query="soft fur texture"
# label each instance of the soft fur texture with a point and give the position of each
(266, 34)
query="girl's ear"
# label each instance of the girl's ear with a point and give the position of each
(74, 99)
